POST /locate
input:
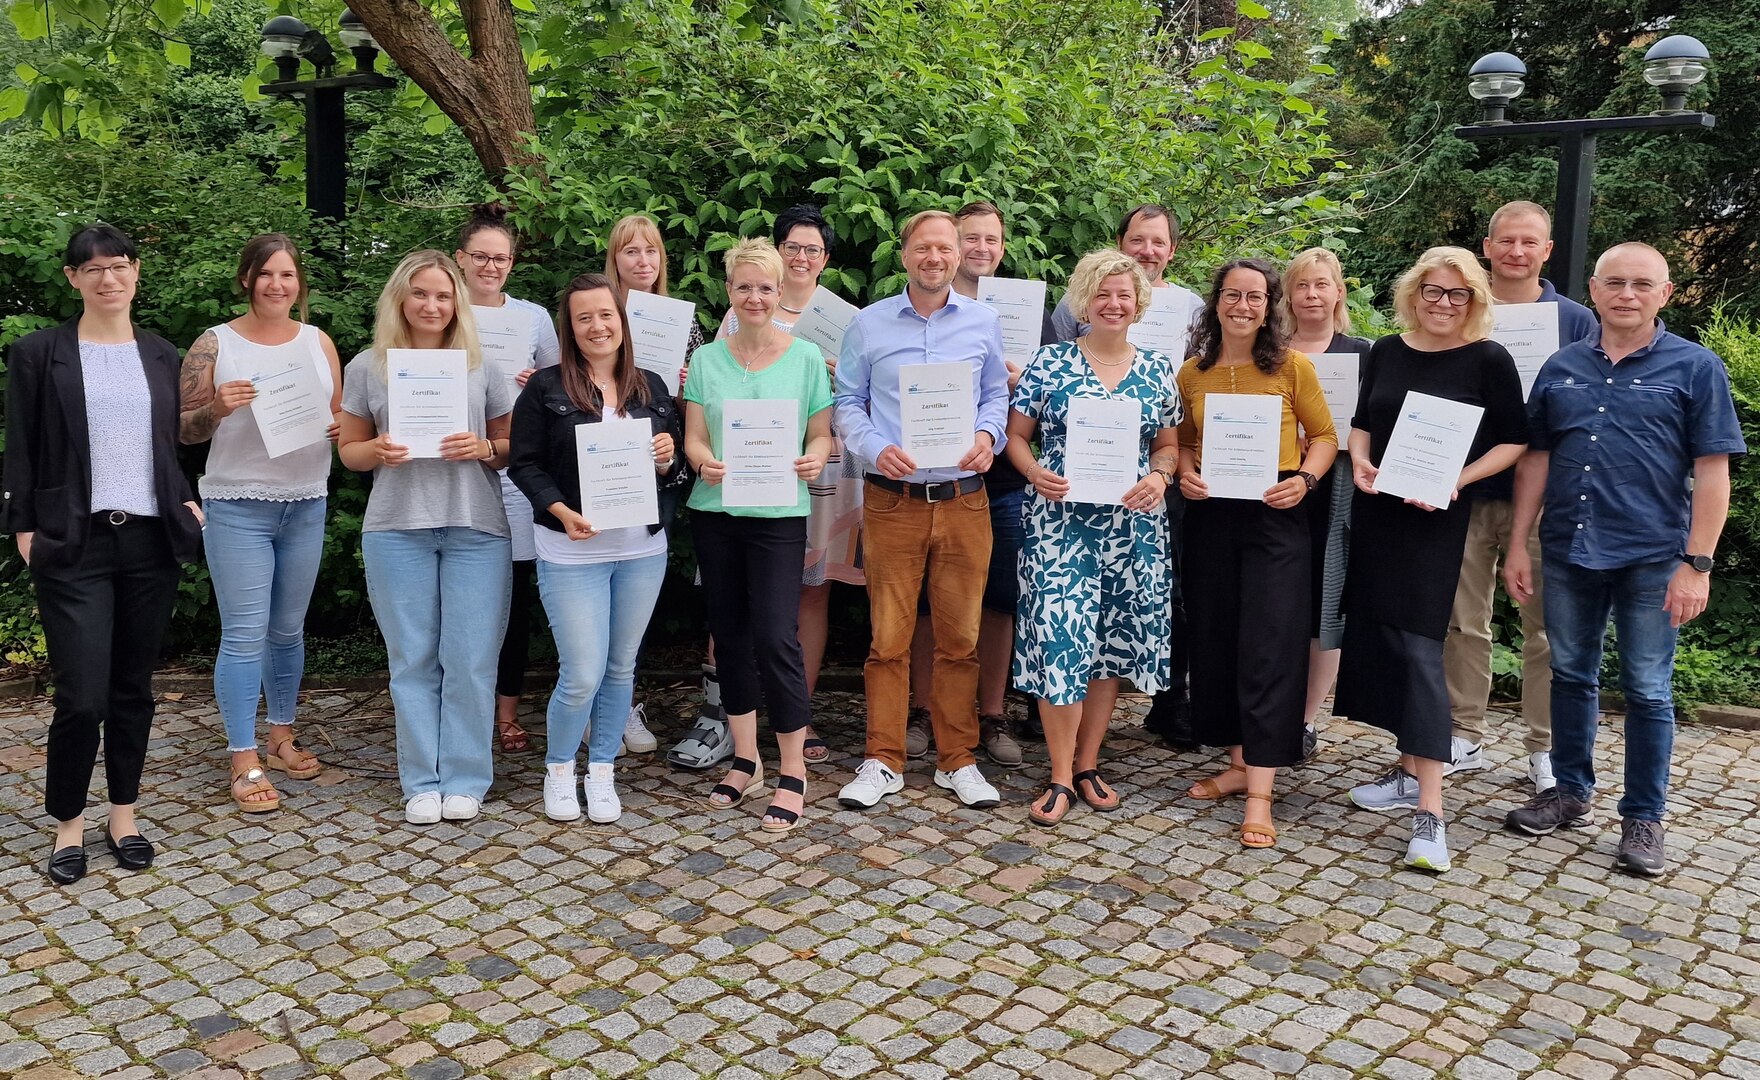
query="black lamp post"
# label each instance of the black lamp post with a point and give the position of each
(1673, 65)
(286, 40)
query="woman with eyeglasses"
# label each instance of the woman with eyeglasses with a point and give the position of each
(1406, 555)
(103, 516)
(1246, 560)
(518, 338)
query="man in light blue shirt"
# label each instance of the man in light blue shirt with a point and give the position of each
(922, 522)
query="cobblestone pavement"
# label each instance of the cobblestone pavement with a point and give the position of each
(918, 941)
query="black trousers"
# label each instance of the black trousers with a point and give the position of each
(510, 670)
(752, 586)
(1179, 641)
(104, 621)
(1247, 598)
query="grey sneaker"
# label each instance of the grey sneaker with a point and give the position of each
(1429, 847)
(1398, 790)
(916, 734)
(1549, 810)
(1640, 847)
(996, 735)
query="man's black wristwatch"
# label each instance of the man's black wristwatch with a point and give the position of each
(1701, 563)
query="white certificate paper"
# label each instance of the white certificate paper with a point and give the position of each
(506, 336)
(1166, 325)
(1021, 306)
(427, 393)
(1339, 379)
(759, 441)
(291, 408)
(824, 321)
(1101, 449)
(937, 412)
(618, 485)
(1530, 333)
(1241, 436)
(661, 331)
(1428, 449)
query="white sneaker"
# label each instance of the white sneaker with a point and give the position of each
(637, 739)
(424, 809)
(1466, 755)
(1540, 771)
(873, 782)
(560, 802)
(603, 806)
(459, 807)
(970, 786)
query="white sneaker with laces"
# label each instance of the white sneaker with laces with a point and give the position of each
(637, 739)
(424, 809)
(459, 807)
(603, 806)
(969, 785)
(873, 782)
(1466, 755)
(560, 801)
(1540, 771)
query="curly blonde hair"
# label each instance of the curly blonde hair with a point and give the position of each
(1405, 292)
(1096, 267)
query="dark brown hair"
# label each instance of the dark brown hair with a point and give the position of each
(1149, 212)
(491, 215)
(256, 255)
(1270, 347)
(632, 385)
(979, 209)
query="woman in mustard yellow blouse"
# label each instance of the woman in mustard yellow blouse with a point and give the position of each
(1247, 559)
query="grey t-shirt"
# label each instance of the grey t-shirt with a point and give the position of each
(428, 493)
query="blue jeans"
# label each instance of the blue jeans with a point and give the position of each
(598, 614)
(440, 596)
(263, 560)
(1578, 604)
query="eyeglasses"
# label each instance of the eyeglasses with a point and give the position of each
(1235, 296)
(96, 273)
(482, 259)
(1456, 297)
(1641, 286)
(792, 249)
(766, 291)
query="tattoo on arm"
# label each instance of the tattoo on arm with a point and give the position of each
(197, 385)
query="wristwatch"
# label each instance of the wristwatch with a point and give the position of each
(1701, 563)
(1166, 474)
(1309, 479)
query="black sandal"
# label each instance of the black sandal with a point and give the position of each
(1041, 814)
(1106, 799)
(733, 795)
(815, 751)
(789, 819)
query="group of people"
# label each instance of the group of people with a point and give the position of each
(1601, 491)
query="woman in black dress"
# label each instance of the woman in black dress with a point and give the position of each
(1405, 555)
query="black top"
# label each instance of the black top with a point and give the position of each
(544, 463)
(1003, 476)
(48, 486)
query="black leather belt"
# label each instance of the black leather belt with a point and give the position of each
(115, 517)
(945, 490)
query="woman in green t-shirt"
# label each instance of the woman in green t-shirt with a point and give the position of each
(749, 520)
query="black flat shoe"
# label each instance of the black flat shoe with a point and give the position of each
(67, 865)
(132, 852)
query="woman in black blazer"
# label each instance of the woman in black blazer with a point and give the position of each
(103, 516)
(599, 583)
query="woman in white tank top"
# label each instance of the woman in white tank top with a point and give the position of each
(265, 388)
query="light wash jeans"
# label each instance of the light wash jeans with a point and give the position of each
(440, 596)
(598, 614)
(263, 561)
(1578, 605)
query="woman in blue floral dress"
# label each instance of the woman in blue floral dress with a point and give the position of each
(1093, 568)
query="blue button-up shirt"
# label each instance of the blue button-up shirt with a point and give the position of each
(1622, 439)
(889, 335)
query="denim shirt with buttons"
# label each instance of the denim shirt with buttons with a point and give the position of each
(1622, 438)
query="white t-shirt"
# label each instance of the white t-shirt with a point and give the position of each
(612, 545)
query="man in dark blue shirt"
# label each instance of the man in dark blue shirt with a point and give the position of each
(1631, 435)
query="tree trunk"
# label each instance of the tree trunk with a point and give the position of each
(487, 94)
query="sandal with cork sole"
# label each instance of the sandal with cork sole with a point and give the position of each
(786, 820)
(1209, 789)
(254, 781)
(726, 796)
(1048, 812)
(1258, 828)
(293, 761)
(1105, 798)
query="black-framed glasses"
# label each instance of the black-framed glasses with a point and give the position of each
(1436, 294)
(792, 249)
(481, 259)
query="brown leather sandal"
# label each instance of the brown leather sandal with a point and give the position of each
(1256, 828)
(255, 781)
(295, 762)
(1209, 790)
(513, 737)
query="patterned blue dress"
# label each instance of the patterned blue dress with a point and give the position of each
(1094, 579)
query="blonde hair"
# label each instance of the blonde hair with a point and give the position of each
(755, 251)
(1300, 265)
(923, 217)
(1096, 267)
(633, 227)
(391, 329)
(1405, 292)
(1519, 208)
